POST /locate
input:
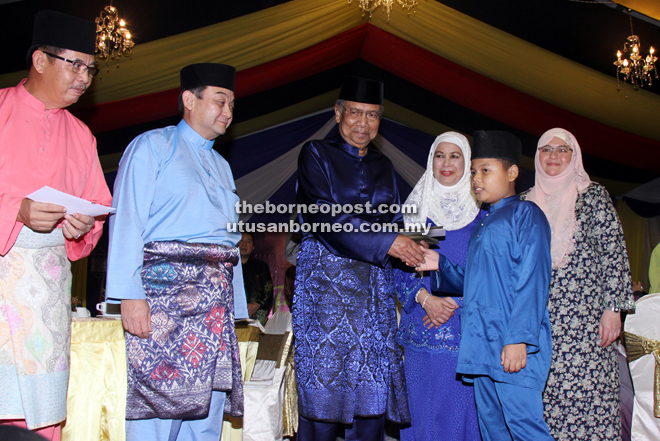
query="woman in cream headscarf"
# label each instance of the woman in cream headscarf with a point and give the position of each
(590, 284)
(442, 407)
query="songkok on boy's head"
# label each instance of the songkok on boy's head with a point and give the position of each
(208, 74)
(361, 90)
(52, 28)
(496, 144)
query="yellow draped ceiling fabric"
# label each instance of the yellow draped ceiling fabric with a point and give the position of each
(275, 32)
(646, 7)
(243, 42)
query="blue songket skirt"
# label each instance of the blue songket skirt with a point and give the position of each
(348, 363)
(192, 349)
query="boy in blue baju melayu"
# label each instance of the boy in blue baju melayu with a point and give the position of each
(505, 330)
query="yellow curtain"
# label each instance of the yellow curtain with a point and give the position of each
(634, 228)
(272, 33)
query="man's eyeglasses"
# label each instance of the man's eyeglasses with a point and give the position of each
(354, 113)
(559, 150)
(77, 66)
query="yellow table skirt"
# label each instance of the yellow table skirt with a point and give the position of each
(96, 400)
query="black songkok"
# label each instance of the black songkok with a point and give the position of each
(496, 144)
(361, 90)
(208, 74)
(52, 28)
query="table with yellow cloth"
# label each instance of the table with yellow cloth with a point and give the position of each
(96, 399)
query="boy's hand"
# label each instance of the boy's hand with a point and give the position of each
(514, 357)
(430, 262)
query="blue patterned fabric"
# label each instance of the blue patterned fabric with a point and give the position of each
(44, 406)
(441, 405)
(192, 348)
(412, 332)
(347, 360)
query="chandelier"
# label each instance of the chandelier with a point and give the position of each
(637, 69)
(371, 5)
(113, 40)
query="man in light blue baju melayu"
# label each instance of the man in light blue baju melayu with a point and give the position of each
(176, 269)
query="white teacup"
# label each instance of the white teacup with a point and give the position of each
(106, 308)
(81, 312)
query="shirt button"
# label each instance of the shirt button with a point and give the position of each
(482, 225)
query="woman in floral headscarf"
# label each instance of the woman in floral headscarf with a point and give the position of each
(441, 406)
(590, 285)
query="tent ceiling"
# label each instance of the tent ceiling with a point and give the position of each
(588, 33)
(564, 74)
(650, 9)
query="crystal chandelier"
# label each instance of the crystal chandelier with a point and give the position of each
(113, 40)
(371, 5)
(638, 69)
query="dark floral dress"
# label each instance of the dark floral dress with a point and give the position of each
(582, 398)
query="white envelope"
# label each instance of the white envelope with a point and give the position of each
(72, 204)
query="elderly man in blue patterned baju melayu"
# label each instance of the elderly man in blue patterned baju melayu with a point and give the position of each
(349, 369)
(175, 267)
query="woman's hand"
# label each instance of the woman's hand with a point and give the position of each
(438, 309)
(609, 328)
